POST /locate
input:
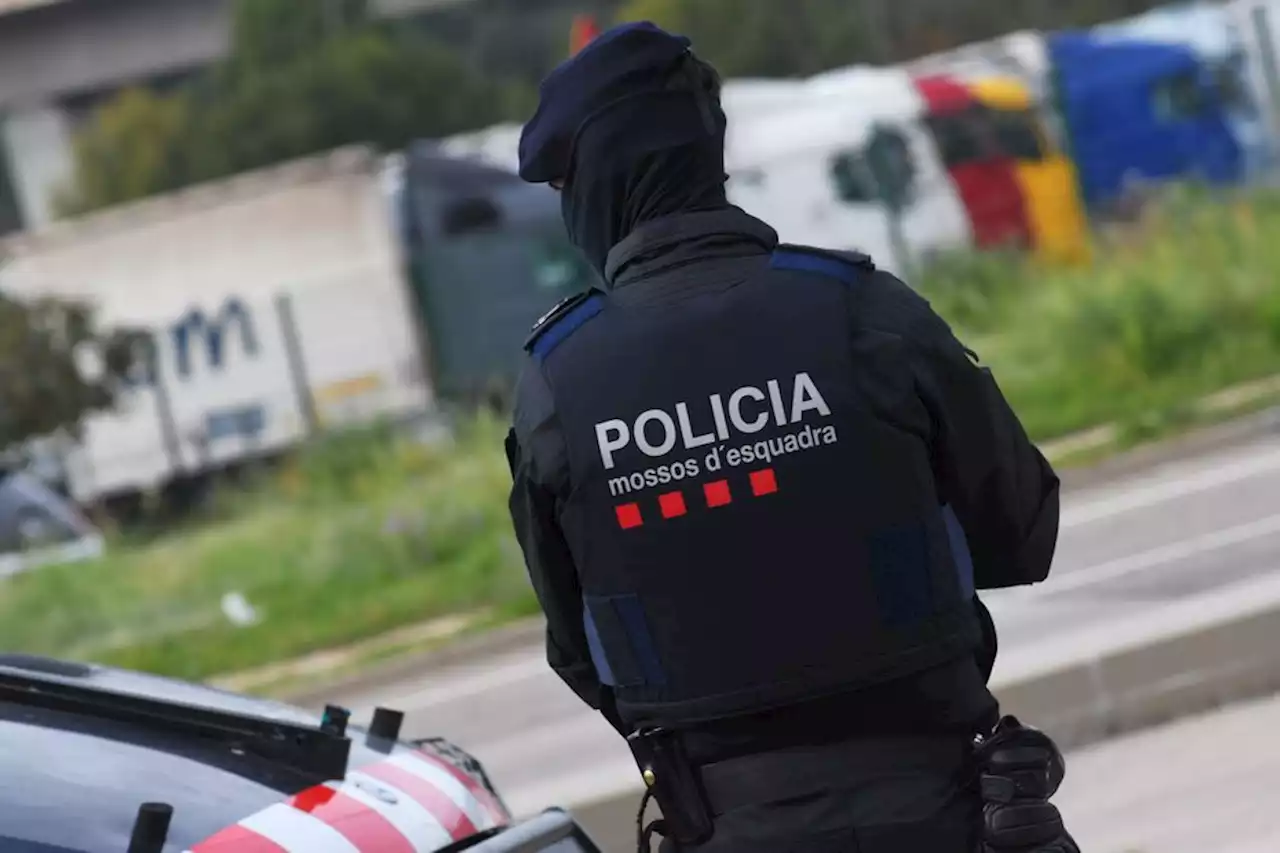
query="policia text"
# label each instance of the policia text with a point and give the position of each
(749, 410)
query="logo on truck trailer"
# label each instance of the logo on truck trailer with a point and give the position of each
(197, 325)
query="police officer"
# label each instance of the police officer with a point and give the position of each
(755, 485)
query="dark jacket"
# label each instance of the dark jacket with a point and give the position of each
(1004, 493)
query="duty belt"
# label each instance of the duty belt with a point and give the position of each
(847, 766)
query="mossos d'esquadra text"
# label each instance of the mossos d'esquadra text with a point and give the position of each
(744, 412)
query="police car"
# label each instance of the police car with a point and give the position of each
(101, 760)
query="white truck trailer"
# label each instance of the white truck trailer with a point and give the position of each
(275, 302)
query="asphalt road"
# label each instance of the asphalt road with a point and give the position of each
(1198, 785)
(1172, 533)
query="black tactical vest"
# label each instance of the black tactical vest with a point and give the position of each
(747, 534)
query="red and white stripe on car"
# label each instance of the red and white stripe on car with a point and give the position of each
(411, 802)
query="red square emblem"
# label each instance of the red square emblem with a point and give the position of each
(763, 482)
(629, 516)
(672, 504)
(717, 493)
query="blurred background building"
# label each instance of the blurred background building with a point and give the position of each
(59, 59)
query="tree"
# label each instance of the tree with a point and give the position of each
(763, 38)
(514, 39)
(275, 33)
(55, 369)
(367, 87)
(774, 38)
(304, 76)
(129, 150)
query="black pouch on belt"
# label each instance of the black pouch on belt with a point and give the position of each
(673, 781)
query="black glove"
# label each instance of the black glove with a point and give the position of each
(1019, 769)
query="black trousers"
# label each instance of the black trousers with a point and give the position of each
(888, 795)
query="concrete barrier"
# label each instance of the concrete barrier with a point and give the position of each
(1179, 659)
(1197, 442)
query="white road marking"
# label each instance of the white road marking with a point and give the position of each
(1173, 552)
(528, 664)
(1165, 489)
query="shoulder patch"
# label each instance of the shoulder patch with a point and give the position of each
(562, 320)
(849, 267)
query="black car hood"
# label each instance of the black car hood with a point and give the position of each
(81, 791)
(68, 781)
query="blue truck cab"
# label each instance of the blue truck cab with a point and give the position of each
(1141, 112)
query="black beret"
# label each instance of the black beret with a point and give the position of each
(627, 60)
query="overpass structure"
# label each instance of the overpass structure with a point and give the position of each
(60, 58)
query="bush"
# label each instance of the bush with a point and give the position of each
(974, 290)
(1184, 305)
(355, 465)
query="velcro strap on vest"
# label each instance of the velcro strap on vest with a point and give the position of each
(626, 641)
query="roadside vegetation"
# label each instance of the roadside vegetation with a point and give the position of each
(359, 535)
(368, 532)
(1176, 306)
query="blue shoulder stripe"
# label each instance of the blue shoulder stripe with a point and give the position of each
(562, 327)
(788, 259)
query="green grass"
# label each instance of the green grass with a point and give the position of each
(1187, 303)
(361, 535)
(365, 533)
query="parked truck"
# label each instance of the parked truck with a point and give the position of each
(281, 302)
